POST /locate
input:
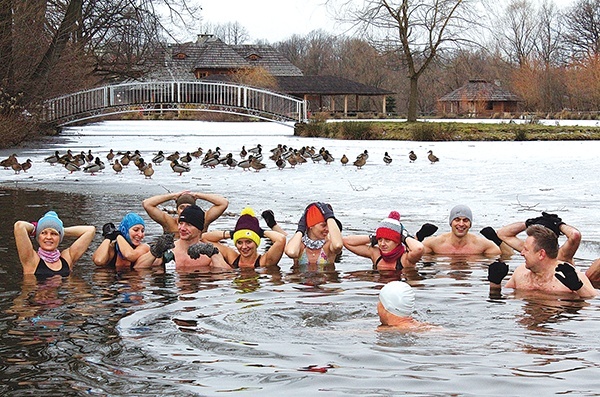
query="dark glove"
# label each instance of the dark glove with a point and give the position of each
(490, 234)
(567, 275)
(161, 245)
(551, 222)
(110, 232)
(302, 224)
(497, 271)
(269, 217)
(425, 231)
(373, 239)
(326, 210)
(195, 250)
(404, 234)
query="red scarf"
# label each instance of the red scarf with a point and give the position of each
(394, 254)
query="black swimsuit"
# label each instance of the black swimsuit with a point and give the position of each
(398, 263)
(44, 271)
(236, 262)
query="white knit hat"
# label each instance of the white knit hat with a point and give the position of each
(398, 298)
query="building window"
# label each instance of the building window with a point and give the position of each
(180, 55)
(253, 57)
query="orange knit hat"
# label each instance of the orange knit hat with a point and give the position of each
(314, 216)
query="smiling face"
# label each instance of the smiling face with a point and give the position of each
(460, 226)
(246, 247)
(188, 232)
(318, 231)
(48, 239)
(531, 255)
(136, 234)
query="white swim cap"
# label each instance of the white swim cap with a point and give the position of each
(398, 298)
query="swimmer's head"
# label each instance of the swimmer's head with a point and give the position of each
(460, 211)
(247, 227)
(186, 199)
(398, 298)
(193, 215)
(129, 221)
(50, 220)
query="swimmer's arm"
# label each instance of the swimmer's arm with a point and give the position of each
(104, 252)
(415, 250)
(148, 260)
(588, 290)
(508, 234)
(275, 252)
(219, 205)
(215, 236)
(430, 243)
(489, 248)
(293, 248)
(129, 253)
(85, 235)
(358, 244)
(218, 262)
(27, 254)
(335, 237)
(159, 216)
(568, 249)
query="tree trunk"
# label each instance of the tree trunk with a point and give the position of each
(6, 46)
(413, 96)
(59, 42)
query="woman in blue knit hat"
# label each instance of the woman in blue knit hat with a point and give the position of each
(122, 247)
(48, 231)
(246, 238)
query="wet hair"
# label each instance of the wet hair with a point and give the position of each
(545, 239)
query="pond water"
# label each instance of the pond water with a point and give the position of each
(167, 333)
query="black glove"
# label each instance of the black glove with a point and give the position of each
(302, 224)
(490, 234)
(404, 234)
(161, 244)
(567, 275)
(110, 232)
(497, 271)
(195, 250)
(269, 217)
(373, 240)
(552, 222)
(425, 231)
(326, 210)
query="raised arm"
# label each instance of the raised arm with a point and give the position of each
(130, 253)
(568, 249)
(159, 216)
(508, 234)
(219, 205)
(84, 236)
(22, 230)
(415, 250)
(275, 252)
(358, 244)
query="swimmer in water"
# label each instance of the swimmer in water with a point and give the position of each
(395, 307)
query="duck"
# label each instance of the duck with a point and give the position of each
(141, 165)
(364, 154)
(173, 156)
(136, 155)
(9, 161)
(159, 158)
(256, 149)
(126, 159)
(257, 165)
(360, 162)
(292, 161)
(197, 153)
(387, 159)
(231, 162)
(258, 156)
(117, 167)
(211, 162)
(317, 157)
(412, 156)
(432, 157)
(89, 157)
(328, 157)
(16, 166)
(148, 171)
(26, 165)
(344, 159)
(65, 158)
(179, 168)
(72, 167)
(243, 152)
(93, 167)
(53, 159)
(280, 163)
(110, 156)
(186, 158)
(245, 164)
(300, 159)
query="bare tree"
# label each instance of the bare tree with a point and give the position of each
(518, 31)
(232, 33)
(583, 29)
(416, 31)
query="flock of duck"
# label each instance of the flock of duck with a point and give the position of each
(250, 159)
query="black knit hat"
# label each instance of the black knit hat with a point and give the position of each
(193, 215)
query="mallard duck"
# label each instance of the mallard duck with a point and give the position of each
(16, 166)
(26, 165)
(317, 157)
(117, 167)
(179, 168)
(159, 158)
(412, 156)
(9, 161)
(364, 154)
(292, 161)
(110, 156)
(258, 156)
(256, 149)
(243, 152)
(280, 163)
(125, 159)
(93, 167)
(245, 164)
(136, 155)
(257, 165)
(197, 153)
(360, 161)
(148, 171)
(328, 157)
(89, 157)
(344, 159)
(231, 162)
(173, 156)
(186, 158)
(387, 159)
(213, 161)
(72, 167)
(432, 157)
(65, 158)
(53, 159)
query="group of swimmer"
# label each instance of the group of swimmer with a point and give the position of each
(187, 244)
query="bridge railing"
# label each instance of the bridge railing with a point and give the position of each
(241, 99)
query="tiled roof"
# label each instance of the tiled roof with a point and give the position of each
(480, 90)
(268, 58)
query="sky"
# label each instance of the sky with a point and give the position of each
(270, 20)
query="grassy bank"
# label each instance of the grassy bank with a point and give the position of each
(441, 131)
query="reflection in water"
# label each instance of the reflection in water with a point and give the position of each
(149, 332)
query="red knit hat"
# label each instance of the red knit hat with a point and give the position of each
(314, 216)
(390, 228)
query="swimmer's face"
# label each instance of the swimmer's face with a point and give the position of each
(245, 247)
(530, 254)
(319, 231)
(136, 234)
(187, 231)
(386, 245)
(460, 226)
(48, 239)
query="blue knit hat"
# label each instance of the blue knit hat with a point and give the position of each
(129, 221)
(50, 220)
